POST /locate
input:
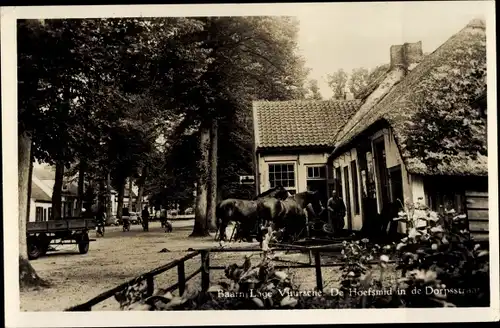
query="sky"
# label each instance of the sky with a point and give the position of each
(351, 35)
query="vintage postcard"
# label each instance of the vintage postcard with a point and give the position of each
(181, 160)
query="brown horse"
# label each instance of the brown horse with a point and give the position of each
(244, 212)
(291, 214)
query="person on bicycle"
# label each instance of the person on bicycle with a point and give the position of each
(101, 220)
(145, 218)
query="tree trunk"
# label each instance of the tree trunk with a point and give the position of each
(212, 187)
(140, 193)
(81, 183)
(130, 198)
(27, 275)
(109, 205)
(121, 194)
(57, 192)
(101, 198)
(200, 228)
(30, 184)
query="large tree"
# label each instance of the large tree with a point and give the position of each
(249, 58)
(337, 82)
(313, 90)
(362, 79)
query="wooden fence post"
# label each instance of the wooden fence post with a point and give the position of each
(205, 270)
(181, 278)
(317, 264)
(150, 285)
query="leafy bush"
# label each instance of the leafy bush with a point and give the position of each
(443, 251)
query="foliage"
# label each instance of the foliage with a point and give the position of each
(361, 79)
(441, 265)
(443, 250)
(448, 123)
(337, 81)
(313, 92)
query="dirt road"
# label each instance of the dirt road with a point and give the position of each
(120, 256)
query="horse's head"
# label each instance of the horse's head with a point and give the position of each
(313, 198)
(282, 193)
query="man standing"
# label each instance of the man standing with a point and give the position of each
(337, 210)
(145, 218)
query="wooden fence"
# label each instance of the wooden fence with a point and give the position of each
(205, 267)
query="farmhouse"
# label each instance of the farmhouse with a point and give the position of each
(293, 140)
(387, 147)
(391, 149)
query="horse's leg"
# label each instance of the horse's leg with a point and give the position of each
(236, 225)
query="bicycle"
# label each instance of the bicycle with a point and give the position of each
(126, 225)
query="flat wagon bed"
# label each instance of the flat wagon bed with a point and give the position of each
(68, 231)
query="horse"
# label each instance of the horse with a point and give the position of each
(243, 212)
(291, 214)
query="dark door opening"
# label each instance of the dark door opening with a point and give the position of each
(321, 187)
(396, 185)
(381, 167)
(347, 198)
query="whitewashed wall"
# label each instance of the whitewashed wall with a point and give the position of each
(343, 161)
(301, 161)
(34, 205)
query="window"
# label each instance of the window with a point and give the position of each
(50, 213)
(282, 174)
(354, 173)
(39, 214)
(316, 172)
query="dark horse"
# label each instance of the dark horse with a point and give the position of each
(291, 214)
(244, 212)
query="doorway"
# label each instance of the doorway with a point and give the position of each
(316, 181)
(381, 169)
(347, 197)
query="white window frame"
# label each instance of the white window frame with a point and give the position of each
(316, 177)
(269, 164)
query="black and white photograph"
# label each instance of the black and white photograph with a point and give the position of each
(193, 159)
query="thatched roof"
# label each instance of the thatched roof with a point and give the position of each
(302, 123)
(441, 86)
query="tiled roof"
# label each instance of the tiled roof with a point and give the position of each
(302, 123)
(38, 194)
(400, 106)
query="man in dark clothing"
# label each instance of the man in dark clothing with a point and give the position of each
(145, 218)
(337, 210)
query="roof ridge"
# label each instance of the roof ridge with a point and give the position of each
(475, 23)
(305, 101)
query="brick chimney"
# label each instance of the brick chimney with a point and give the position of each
(406, 55)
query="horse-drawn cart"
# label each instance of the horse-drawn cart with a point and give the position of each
(69, 231)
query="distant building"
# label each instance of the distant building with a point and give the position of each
(43, 180)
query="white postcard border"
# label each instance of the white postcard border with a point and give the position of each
(15, 318)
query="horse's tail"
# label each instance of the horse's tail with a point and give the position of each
(218, 215)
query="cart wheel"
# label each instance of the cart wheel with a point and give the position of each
(83, 244)
(43, 242)
(34, 248)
